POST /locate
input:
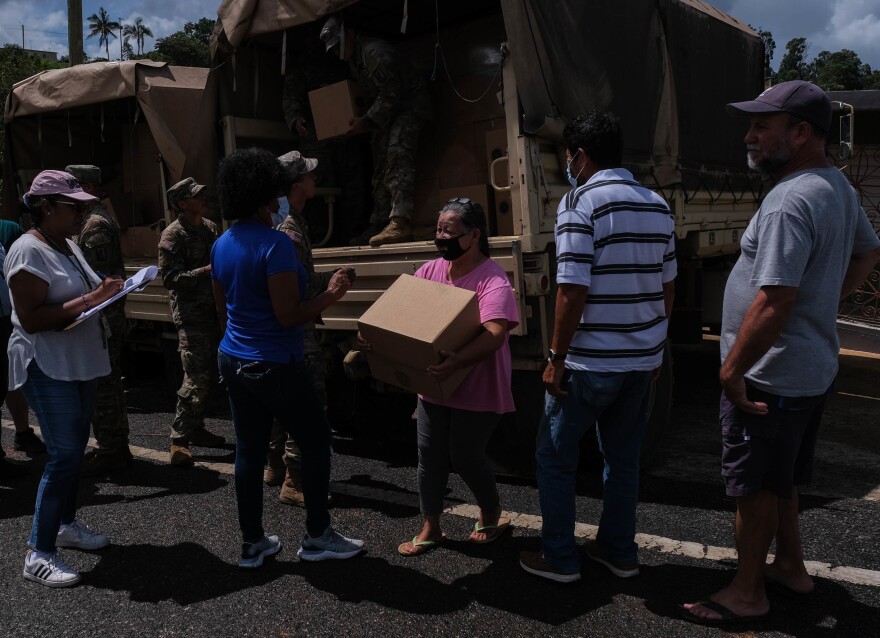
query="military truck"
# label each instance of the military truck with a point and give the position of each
(146, 125)
(504, 77)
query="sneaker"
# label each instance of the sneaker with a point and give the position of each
(181, 456)
(252, 554)
(331, 544)
(101, 462)
(49, 570)
(533, 562)
(29, 442)
(274, 475)
(621, 570)
(79, 536)
(202, 438)
(398, 230)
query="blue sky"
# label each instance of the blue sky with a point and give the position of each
(827, 24)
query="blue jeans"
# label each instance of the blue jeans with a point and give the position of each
(617, 404)
(260, 392)
(64, 411)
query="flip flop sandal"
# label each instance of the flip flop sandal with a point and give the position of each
(493, 532)
(419, 547)
(728, 617)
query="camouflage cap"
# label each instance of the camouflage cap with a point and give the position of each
(184, 189)
(85, 172)
(332, 32)
(296, 165)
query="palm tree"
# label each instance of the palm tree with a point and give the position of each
(138, 31)
(102, 26)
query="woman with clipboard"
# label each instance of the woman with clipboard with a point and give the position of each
(51, 285)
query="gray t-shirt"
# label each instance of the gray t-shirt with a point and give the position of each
(803, 236)
(78, 354)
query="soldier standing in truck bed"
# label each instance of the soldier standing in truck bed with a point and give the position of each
(101, 244)
(399, 108)
(185, 269)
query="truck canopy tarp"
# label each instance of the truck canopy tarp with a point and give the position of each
(171, 98)
(248, 18)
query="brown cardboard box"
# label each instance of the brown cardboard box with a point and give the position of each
(333, 107)
(480, 193)
(140, 241)
(410, 324)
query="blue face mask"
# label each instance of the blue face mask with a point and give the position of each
(572, 180)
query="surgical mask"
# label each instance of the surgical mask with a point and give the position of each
(452, 246)
(572, 180)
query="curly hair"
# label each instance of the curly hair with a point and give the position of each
(248, 179)
(599, 134)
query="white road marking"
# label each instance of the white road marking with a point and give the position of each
(689, 549)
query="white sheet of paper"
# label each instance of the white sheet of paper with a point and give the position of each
(138, 281)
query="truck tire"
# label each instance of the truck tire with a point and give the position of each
(171, 364)
(660, 399)
(512, 446)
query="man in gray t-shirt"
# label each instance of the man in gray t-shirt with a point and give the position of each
(808, 246)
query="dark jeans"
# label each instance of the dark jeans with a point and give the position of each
(260, 392)
(64, 411)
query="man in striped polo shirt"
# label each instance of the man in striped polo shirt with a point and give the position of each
(615, 250)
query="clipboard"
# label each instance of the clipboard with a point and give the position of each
(135, 283)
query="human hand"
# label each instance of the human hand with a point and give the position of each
(301, 128)
(734, 386)
(441, 371)
(339, 284)
(357, 126)
(552, 378)
(362, 344)
(106, 289)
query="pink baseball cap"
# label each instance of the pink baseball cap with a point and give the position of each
(59, 183)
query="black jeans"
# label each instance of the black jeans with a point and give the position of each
(260, 391)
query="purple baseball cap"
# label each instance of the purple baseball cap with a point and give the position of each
(59, 183)
(802, 99)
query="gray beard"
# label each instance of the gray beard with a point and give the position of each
(769, 166)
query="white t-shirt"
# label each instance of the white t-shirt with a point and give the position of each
(78, 354)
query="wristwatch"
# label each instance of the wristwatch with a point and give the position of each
(554, 356)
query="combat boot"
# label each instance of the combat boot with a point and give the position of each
(98, 462)
(363, 238)
(180, 454)
(398, 230)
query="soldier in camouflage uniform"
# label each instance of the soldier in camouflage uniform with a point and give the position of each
(185, 269)
(101, 244)
(399, 107)
(340, 161)
(300, 173)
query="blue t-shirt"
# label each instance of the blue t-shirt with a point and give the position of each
(242, 261)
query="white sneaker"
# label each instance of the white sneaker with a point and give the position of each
(78, 536)
(252, 554)
(331, 544)
(49, 570)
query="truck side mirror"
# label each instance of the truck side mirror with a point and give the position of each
(847, 130)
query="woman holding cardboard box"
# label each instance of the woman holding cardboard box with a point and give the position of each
(456, 431)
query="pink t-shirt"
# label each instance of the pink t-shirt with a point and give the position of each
(487, 387)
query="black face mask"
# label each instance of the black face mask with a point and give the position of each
(452, 246)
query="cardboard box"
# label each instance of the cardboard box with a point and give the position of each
(140, 241)
(480, 193)
(333, 107)
(410, 324)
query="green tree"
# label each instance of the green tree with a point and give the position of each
(102, 26)
(182, 50)
(137, 31)
(200, 30)
(769, 49)
(15, 66)
(840, 71)
(794, 65)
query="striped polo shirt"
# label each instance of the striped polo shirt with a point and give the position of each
(616, 237)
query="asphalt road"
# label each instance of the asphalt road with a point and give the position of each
(171, 570)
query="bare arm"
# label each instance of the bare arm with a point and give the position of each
(481, 347)
(760, 329)
(860, 265)
(668, 297)
(286, 304)
(29, 294)
(570, 301)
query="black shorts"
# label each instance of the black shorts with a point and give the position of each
(771, 452)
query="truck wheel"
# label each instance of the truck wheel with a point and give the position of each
(660, 408)
(512, 446)
(171, 364)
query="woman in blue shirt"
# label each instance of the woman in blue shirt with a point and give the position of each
(259, 290)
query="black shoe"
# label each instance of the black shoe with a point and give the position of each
(28, 442)
(9, 470)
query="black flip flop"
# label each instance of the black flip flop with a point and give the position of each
(728, 617)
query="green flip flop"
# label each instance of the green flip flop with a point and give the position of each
(419, 547)
(493, 532)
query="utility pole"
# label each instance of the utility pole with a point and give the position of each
(120, 39)
(22, 36)
(75, 32)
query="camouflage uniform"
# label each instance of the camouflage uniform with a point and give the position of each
(400, 106)
(295, 227)
(101, 244)
(340, 161)
(184, 250)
